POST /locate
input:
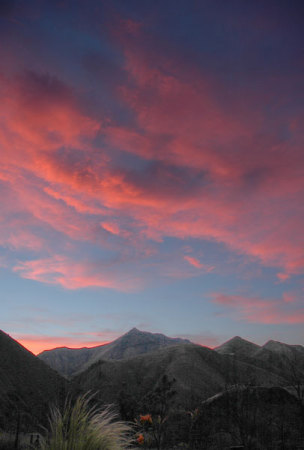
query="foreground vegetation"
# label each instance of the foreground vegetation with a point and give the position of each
(249, 417)
(80, 426)
(84, 427)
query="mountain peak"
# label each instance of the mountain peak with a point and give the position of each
(275, 345)
(237, 339)
(134, 330)
(133, 343)
(282, 348)
(237, 345)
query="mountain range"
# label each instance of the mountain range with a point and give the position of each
(199, 372)
(69, 362)
(275, 358)
(126, 371)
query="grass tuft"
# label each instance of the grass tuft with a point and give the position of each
(81, 427)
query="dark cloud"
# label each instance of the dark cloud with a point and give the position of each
(7, 7)
(104, 68)
(43, 87)
(168, 179)
(255, 178)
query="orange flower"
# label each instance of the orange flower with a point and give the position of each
(140, 439)
(146, 418)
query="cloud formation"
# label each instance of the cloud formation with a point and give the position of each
(186, 160)
(261, 310)
(75, 275)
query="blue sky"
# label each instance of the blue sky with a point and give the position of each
(151, 170)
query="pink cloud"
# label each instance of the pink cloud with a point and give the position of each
(210, 172)
(283, 276)
(289, 297)
(75, 275)
(196, 263)
(228, 146)
(259, 310)
(111, 227)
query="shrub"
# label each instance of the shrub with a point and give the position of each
(81, 427)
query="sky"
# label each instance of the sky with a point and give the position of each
(151, 170)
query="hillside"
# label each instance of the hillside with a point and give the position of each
(27, 386)
(199, 372)
(291, 351)
(68, 362)
(278, 358)
(255, 417)
(281, 362)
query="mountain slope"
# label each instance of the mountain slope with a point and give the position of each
(199, 372)
(69, 362)
(252, 416)
(284, 360)
(27, 385)
(284, 349)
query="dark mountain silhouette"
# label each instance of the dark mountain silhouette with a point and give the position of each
(199, 372)
(239, 347)
(281, 363)
(68, 362)
(231, 386)
(254, 417)
(284, 349)
(284, 360)
(27, 386)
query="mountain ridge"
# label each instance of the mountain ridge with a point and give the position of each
(198, 371)
(69, 362)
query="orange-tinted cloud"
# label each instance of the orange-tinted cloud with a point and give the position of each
(205, 169)
(249, 181)
(111, 227)
(259, 310)
(74, 274)
(38, 343)
(283, 276)
(196, 263)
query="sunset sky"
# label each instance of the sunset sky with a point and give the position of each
(151, 170)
